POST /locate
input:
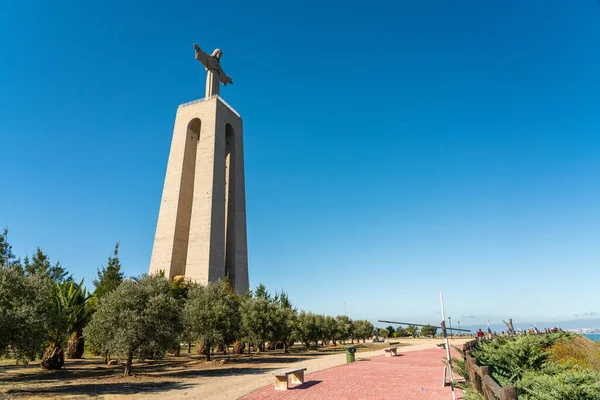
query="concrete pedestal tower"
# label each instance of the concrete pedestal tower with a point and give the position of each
(201, 229)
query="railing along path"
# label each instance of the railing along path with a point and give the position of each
(480, 379)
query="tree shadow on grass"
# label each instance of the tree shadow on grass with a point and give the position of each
(94, 389)
(90, 377)
(172, 367)
(151, 371)
(47, 376)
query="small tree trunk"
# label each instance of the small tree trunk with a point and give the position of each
(238, 347)
(207, 352)
(363, 340)
(178, 350)
(201, 348)
(189, 347)
(127, 371)
(285, 347)
(106, 357)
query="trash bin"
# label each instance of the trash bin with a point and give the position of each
(350, 350)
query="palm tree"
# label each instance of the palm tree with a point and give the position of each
(71, 314)
(413, 330)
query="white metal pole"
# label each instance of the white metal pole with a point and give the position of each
(447, 347)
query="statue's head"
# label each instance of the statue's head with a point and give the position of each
(217, 53)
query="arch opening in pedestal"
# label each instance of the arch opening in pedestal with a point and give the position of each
(186, 197)
(230, 185)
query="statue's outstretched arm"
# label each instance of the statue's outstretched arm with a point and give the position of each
(224, 78)
(200, 55)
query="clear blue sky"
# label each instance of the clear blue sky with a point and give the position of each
(393, 150)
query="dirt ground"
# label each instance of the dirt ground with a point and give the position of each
(187, 376)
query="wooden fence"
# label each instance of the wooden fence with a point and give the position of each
(470, 345)
(479, 378)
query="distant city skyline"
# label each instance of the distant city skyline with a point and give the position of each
(579, 326)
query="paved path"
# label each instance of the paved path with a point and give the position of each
(236, 385)
(412, 375)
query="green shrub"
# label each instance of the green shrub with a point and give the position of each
(566, 383)
(469, 394)
(458, 364)
(556, 366)
(510, 358)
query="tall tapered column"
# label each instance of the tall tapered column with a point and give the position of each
(201, 230)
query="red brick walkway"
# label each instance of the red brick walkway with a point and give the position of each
(413, 375)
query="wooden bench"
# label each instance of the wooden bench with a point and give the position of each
(442, 345)
(281, 377)
(390, 351)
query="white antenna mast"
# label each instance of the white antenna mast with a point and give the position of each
(447, 346)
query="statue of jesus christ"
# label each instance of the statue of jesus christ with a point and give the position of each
(214, 72)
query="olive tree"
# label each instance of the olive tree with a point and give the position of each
(429, 330)
(362, 329)
(138, 316)
(212, 315)
(331, 328)
(306, 328)
(284, 319)
(323, 333)
(26, 313)
(344, 326)
(259, 317)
